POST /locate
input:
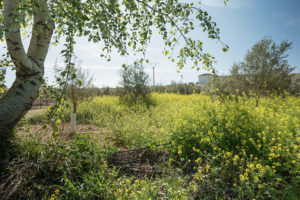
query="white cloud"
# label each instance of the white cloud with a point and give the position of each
(294, 23)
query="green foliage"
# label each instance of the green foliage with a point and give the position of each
(105, 184)
(295, 84)
(38, 168)
(5, 63)
(264, 70)
(218, 86)
(2, 81)
(120, 25)
(1, 21)
(77, 170)
(78, 87)
(179, 88)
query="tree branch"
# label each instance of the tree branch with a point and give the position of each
(170, 18)
(43, 27)
(13, 35)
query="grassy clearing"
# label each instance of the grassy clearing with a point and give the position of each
(35, 116)
(202, 148)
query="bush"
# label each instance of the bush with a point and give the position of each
(38, 168)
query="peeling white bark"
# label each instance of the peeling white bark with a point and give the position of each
(29, 66)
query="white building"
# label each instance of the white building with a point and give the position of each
(203, 78)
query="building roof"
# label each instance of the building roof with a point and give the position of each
(206, 74)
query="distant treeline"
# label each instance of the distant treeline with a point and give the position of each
(221, 83)
(179, 88)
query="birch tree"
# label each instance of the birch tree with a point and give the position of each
(123, 25)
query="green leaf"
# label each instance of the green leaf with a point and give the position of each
(225, 49)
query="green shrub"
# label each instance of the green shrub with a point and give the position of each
(134, 81)
(38, 168)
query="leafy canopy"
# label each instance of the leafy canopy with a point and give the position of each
(265, 68)
(127, 25)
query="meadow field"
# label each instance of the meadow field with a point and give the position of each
(180, 147)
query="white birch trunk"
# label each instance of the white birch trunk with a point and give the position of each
(29, 66)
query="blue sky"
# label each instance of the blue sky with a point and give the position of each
(242, 24)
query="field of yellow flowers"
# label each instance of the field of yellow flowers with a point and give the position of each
(213, 147)
(229, 146)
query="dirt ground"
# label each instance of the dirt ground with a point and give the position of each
(98, 134)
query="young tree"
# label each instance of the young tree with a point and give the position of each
(125, 25)
(78, 89)
(134, 81)
(265, 69)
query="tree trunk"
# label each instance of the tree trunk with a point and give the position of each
(73, 115)
(29, 66)
(73, 123)
(18, 100)
(75, 105)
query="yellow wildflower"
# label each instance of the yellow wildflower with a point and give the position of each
(242, 178)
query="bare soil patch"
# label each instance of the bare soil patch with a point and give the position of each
(138, 162)
(98, 134)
